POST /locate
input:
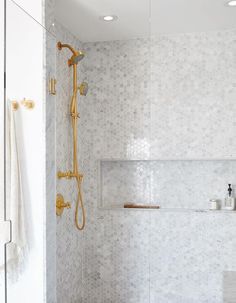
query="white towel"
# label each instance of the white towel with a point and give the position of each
(16, 250)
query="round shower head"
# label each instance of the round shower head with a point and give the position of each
(77, 57)
(83, 88)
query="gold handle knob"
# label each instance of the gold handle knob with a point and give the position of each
(66, 205)
(61, 205)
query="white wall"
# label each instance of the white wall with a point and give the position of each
(31, 61)
(33, 8)
(25, 74)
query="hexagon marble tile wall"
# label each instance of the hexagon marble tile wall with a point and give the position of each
(149, 99)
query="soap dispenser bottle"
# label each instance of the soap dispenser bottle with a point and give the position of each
(229, 202)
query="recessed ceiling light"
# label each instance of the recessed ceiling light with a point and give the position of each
(232, 3)
(109, 18)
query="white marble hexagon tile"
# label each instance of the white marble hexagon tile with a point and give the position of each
(193, 91)
(169, 183)
(145, 103)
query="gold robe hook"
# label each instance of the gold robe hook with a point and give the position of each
(29, 104)
(15, 105)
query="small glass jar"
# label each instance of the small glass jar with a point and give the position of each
(214, 204)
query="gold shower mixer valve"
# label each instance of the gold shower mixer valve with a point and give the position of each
(61, 205)
(67, 174)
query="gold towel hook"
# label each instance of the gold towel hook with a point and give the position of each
(29, 104)
(15, 105)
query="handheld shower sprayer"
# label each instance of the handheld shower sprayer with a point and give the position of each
(76, 57)
(83, 88)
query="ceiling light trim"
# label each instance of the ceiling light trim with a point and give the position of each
(231, 3)
(108, 18)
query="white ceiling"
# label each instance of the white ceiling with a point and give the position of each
(140, 18)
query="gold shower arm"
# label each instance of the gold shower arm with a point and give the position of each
(60, 46)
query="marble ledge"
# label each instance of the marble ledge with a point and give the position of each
(175, 210)
(182, 159)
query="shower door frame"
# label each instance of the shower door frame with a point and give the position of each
(3, 141)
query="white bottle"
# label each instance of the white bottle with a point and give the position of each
(229, 202)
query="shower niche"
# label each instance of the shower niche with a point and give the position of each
(171, 184)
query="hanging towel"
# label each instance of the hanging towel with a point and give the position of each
(16, 250)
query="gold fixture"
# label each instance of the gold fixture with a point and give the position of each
(29, 104)
(77, 55)
(83, 88)
(15, 105)
(61, 205)
(73, 61)
(67, 175)
(52, 86)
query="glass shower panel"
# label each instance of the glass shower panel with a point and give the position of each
(117, 109)
(25, 93)
(192, 67)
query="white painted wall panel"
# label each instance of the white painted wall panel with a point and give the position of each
(25, 80)
(32, 7)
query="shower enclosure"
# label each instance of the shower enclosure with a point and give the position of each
(155, 132)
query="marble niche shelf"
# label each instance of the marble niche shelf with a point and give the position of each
(173, 184)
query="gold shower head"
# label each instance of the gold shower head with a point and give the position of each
(77, 55)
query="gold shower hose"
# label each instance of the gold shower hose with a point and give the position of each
(78, 176)
(73, 61)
